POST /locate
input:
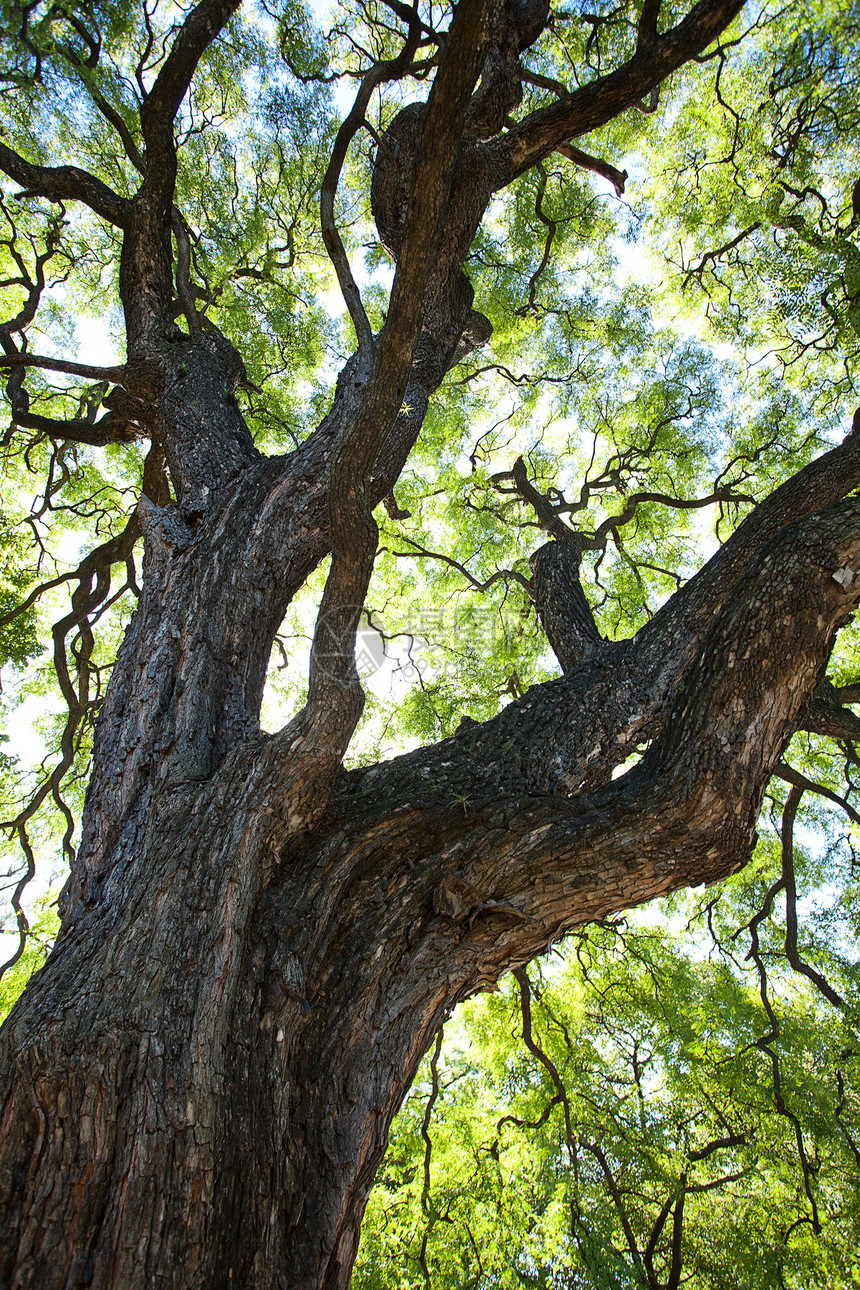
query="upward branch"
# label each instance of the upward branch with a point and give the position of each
(159, 109)
(335, 698)
(146, 267)
(65, 183)
(389, 69)
(596, 103)
(819, 484)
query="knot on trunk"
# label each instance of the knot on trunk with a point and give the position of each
(455, 899)
(165, 528)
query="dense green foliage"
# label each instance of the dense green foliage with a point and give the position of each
(679, 1104)
(659, 361)
(39, 940)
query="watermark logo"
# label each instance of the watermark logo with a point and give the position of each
(370, 653)
(388, 655)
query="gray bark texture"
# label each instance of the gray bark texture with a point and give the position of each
(257, 947)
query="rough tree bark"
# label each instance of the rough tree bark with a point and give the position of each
(257, 948)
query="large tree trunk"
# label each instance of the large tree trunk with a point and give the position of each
(256, 947)
(179, 1111)
(201, 1080)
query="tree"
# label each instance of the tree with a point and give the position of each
(257, 944)
(678, 1114)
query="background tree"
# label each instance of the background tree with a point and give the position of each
(258, 942)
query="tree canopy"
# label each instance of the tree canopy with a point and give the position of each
(673, 1104)
(658, 222)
